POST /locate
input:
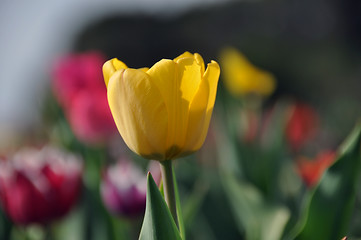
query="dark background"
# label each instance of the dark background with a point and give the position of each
(312, 47)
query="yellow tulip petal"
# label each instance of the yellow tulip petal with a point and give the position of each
(178, 83)
(196, 56)
(139, 112)
(110, 67)
(184, 55)
(200, 61)
(189, 74)
(201, 109)
(108, 71)
(197, 118)
(118, 64)
(164, 75)
(212, 76)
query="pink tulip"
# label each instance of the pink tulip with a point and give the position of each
(90, 117)
(79, 88)
(38, 186)
(77, 72)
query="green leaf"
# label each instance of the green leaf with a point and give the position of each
(259, 219)
(158, 223)
(332, 203)
(161, 188)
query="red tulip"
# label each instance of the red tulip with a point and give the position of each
(302, 125)
(123, 188)
(312, 170)
(79, 88)
(38, 186)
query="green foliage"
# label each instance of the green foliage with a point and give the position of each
(331, 205)
(259, 219)
(158, 223)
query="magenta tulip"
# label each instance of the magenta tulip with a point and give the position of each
(39, 186)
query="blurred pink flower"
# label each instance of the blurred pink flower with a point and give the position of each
(123, 188)
(77, 72)
(80, 90)
(311, 170)
(38, 186)
(90, 118)
(302, 125)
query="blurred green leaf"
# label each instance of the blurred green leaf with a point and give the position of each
(259, 219)
(194, 202)
(158, 223)
(179, 208)
(269, 155)
(71, 227)
(331, 205)
(5, 226)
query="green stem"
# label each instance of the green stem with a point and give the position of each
(6, 227)
(48, 229)
(168, 186)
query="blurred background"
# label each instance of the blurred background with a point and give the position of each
(312, 48)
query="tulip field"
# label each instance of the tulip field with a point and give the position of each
(201, 145)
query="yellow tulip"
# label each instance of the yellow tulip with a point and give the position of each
(163, 112)
(242, 78)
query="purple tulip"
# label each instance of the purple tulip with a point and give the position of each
(124, 188)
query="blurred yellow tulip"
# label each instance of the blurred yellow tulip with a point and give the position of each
(242, 78)
(163, 112)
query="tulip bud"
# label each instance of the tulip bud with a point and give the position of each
(123, 188)
(39, 186)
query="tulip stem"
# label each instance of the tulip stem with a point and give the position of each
(168, 187)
